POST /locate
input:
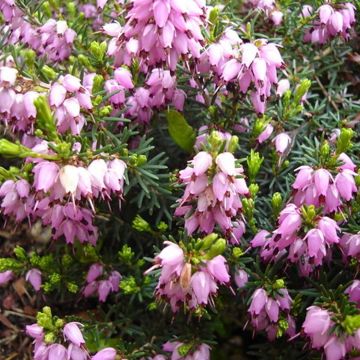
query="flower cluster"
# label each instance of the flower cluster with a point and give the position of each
(270, 9)
(159, 91)
(46, 198)
(158, 32)
(73, 346)
(68, 97)
(252, 63)
(303, 235)
(102, 287)
(56, 40)
(181, 282)
(319, 326)
(318, 186)
(214, 187)
(181, 351)
(271, 313)
(53, 40)
(331, 21)
(17, 110)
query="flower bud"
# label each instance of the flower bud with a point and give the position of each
(216, 249)
(301, 90)
(254, 161)
(207, 241)
(45, 120)
(185, 276)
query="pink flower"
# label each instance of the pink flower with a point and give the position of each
(316, 325)
(56, 352)
(265, 311)
(354, 292)
(335, 349)
(159, 35)
(259, 299)
(46, 173)
(276, 17)
(330, 22)
(282, 87)
(5, 277)
(124, 78)
(94, 272)
(104, 290)
(35, 331)
(241, 278)
(212, 195)
(217, 268)
(265, 134)
(33, 276)
(105, 354)
(282, 142)
(171, 255)
(73, 334)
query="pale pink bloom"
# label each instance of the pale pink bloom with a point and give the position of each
(321, 180)
(57, 352)
(46, 173)
(69, 178)
(201, 162)
(276, 17)
(33, 276)
(73, 334)
(5, 277)
(7, 76)
(265, 134)
(226, 162)
(218, 269)
(282, 142)
(35, 331)
(306, 10)
(105, 354)
(282, 87)
(241, 278)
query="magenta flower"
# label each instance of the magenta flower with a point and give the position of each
(214, 188)
(181, 282)
(307, 251)
(265, 312)
(330, 22)
(159, 33)
(94, 272)
(201, 352)
(353, 292)
(320, 187)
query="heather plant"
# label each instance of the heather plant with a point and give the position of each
(179, 179)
